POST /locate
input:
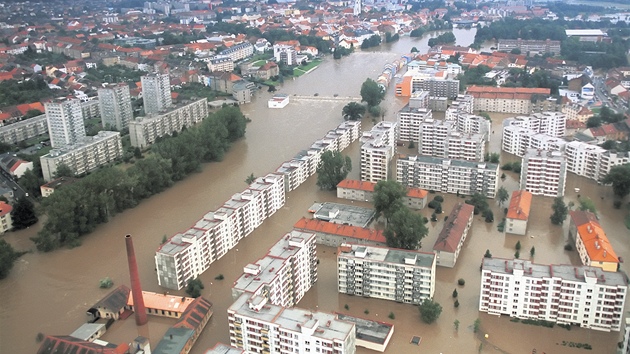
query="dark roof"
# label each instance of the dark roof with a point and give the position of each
(453, 230)
(115, 300)
(192, 321)
(71, 345)
(195, 313)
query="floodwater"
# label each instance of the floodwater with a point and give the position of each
(50, 292)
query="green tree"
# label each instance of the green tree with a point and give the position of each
(455, 293)
(371, 93)
(489, 216)
(479, 201)
(476, 325)
(63, 170)
(353, 111)
(194, 287)
(456, 325)
(487, 254)
(560, 211)
(250, 179)
(7, 257)
(31, 181)
(333, 168)
(430, 311)
(23, 214)
(518, 246)
(532, 251)
(502, 195)
(388, 198)
(586, 204)
(619, 177)
(405, 230)
(517, 254)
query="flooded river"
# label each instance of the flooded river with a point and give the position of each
(50, 293)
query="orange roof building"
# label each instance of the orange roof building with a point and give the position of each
(364, 191)
(591, 242)
(162, 304)
(518, 212)
(452, 237)
(505, 99)
(334, 235)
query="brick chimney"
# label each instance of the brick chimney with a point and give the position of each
(136, 288)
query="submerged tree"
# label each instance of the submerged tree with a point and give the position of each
(332, 169)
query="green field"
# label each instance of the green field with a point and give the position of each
(302, 69)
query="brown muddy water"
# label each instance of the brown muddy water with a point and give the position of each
(50, 292)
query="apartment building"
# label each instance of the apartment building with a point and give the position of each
(583, 159)
(505, 99)
(473, 124)
(549, 123)
(577, 112)
(90, 153)
(437, 86)
(6, 223)
(144, 131)
(363, 191)
(543, 172)
(386, 273)
(65, 122)
(518, 213)
(239, 51)
(516, 140)
(583, 296)
(285, 54)
(334, 235)
(610, 159)
(114, 103)
(377, 150)
(433, 137)
(284, 274)
(156, 92)
(530, 46)
(221, 63)
(448, 176)
(591, 242)
(257, 326)
(409, 121)
(188, 254)
(453, 235)
(24, 130)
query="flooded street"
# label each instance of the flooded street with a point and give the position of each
(50, 292)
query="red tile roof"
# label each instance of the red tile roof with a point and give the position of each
(454, 227)
(355, 232)
(520, 205)
(5, 208)
(593, 237)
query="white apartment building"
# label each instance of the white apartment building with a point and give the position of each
(516, 140)
(377, 150)
(285, 54)
(448, 176)
(610, 159)
(24, 130)
(548, 123)
(433, 137)
(257, 326)
(114, 103)
(6, 222)
(90, 153)
(156, 92)
(409, 121)
(583, 159)
(441, 138)
(386, 273)
(239, 51)
(284, 274)
(544, 172)
(221, 63)
(473, 124)
(144, 131)
(461, 104)
(546, 142)
(188, 254)
(583, 296)
(65, 122)
(469, 147)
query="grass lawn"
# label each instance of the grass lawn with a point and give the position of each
(259, 63)
(302, 69)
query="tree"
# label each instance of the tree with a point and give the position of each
(476, 325)
(455, 293)
(430, 311)
(63, 170)
(586, 204)
(7, 257)
(456, 325)
(518, 246)
(414, 50)
(23, 214)
(560, 211)
(479, 201)
(250, 179)
(489, 216)
(388, 198)
(487, 254)
(502, 195)
(517, 254)
(194, 287)
(619, 177)
(371, 93)
(405, 230)
(353, 111)
(515, 51)
(333, 168)
(532, 251)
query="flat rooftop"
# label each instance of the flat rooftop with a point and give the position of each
(389, 255)
(369, 331)
(344, 214)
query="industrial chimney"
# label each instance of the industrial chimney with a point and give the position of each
(136, 289)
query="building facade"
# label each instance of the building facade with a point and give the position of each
(530, 46)
(416, 198)
(453, 235)
(583, 296)
(91, 153)
(188, 254)
(386, 273)
(377, 150)
(506, 99)
(144, 131)
(6, 223)
(239, 51)
(409, 121)
(156, 92)
(448, 176)
(65, 122)
(24, 130)
(544, 172)
(115, 106)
